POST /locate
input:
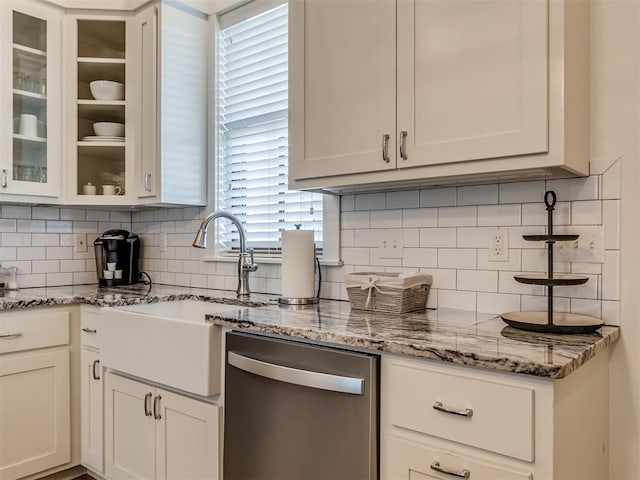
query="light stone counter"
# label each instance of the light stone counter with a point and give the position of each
(455, 336)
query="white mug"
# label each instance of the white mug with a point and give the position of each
(107, 274)
(111, 190)
(28, 125)
(89, 189)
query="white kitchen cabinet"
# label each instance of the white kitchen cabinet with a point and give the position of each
(487, 89)
(91, 407)
(153, 433)
(171, 110)
(35, 391)
(30, 91)
(495, 425)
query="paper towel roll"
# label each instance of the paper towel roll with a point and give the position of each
(298, 264)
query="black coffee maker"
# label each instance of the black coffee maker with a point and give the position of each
(117, 258)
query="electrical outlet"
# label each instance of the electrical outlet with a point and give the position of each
(498, 245)
(80, 245)
(390, 244)
(588, 248)
(163, 241)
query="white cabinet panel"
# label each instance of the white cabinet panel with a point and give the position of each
(342, 86)
(91, 406)
(34, 413)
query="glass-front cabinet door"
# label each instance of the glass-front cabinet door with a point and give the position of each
(30, 39)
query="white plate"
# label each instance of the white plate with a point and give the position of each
(102, 138)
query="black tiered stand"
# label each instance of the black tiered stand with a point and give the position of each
(550, 322)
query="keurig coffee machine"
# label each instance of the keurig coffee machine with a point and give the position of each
(117, 258)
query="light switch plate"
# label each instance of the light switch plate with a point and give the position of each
(588, 248)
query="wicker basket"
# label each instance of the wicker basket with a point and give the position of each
(387, 292)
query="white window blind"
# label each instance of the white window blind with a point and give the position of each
(253, 133)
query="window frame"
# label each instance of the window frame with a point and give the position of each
(331, 203)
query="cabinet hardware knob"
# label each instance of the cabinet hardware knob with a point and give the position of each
(89, 330)
(5, 178)
(94, 368)
(147, 404)
(464, 473)
(403, 145)
(467, 412)
(385, 147)
(156, 407)
(11, 335)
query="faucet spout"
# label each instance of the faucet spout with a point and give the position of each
(245, 260)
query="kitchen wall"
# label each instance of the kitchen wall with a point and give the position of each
(443, 231)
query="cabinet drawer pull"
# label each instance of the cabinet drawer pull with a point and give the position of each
(89, 330)
(462, 473)
(467, 412)
(403, 145)
(156, 407)
(147, 181)
(147, 405)
(11, 335)
(5, 178)
(385, 147)
(96, 375)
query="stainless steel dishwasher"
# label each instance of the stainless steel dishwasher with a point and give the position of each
(299, 411)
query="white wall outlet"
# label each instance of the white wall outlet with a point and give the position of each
(498, 245)
(390, 244)
(588, 248)
(163, 241)
(80, 245)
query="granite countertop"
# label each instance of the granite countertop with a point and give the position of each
(454, 336)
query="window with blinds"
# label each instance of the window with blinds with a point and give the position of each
(253, 131)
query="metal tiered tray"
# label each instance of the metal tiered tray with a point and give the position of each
(550, 321)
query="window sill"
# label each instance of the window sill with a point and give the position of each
(274, 260)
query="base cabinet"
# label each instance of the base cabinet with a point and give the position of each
(91, 407)
(153, 433)
(440, 421)
(34, 412)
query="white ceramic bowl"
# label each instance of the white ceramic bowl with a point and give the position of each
(107, 90)
(109, 129)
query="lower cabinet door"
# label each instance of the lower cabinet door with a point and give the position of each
(34, 413)
(91, 407)
(188, 438)
(404, 459)
(129, 429)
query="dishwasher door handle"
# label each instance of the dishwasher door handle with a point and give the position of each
(305, 378)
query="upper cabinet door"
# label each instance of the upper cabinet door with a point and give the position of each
(472, 79)
(30, 132)
(342, 87)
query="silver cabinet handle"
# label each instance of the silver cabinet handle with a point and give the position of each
(5, 178)
(89, 330)
(462, 473)
(11, 335)
(322, 381)
(385, 147)
(467, 412)
(403, 145)
(147, 181)
(156, 407)
(94, 371)
(147, 404)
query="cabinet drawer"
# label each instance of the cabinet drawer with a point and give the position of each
(416, 461)
(29, 330)
(499, 416)
(89, 336)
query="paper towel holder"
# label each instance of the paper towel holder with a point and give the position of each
(284, 301)
(301, 302)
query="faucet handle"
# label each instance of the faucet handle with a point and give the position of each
(249, 266)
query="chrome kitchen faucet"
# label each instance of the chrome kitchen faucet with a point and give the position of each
(245, 260)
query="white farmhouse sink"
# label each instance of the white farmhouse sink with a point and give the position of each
(166, 342)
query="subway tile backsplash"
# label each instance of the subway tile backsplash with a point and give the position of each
(444, 232)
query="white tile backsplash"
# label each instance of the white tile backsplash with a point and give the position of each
(444, 233)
